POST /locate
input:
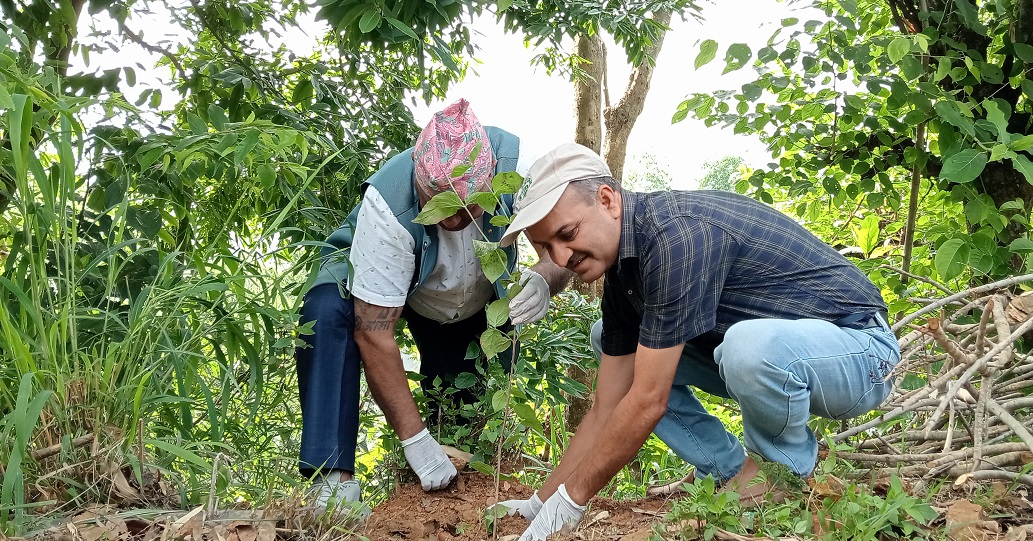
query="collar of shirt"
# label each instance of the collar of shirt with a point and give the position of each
(628, 248)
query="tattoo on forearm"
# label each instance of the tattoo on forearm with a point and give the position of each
(377, 318)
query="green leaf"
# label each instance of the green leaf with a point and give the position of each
(440, 206)
(130, 75)
(503, 5)
(217, 117)
(499, 400)
(707, 52)
(303, 92)
(999, 151)
(970, 14)
(197, 126)
(995, 115)
(1024, 51)
(898, 48)
(978, 209)
(1024, 166)
(1021, 246)
(494, 264)
(964, 166)
(866, 233)
(751, 91)
(246, 146)
(465, 380)
(527, 416)
(951, 258)
(856, 102)
(507, 182)
(1022, 143)
(485, 200)
(266, 175)
(737, 56)
(943, 67)
(1014, 204)
(405, 28)
(498, 313)
(500, 220)
(181, 453)
(5, 99)
(460, 170)
(369, 21)
(486, 469)
(494, 342)
(953, 114)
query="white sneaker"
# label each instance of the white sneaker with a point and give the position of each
(331, 494)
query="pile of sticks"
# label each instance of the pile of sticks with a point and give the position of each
(963, 405)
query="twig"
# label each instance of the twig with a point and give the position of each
(987, 475)
(983, 319)
(1000, 284)
(978, 365)
(1008, 419)
(138, 39)
(52, 450)
(924, 279)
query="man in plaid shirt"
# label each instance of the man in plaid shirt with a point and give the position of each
(703, 289)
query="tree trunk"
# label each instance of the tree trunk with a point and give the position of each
(588, 92)
(588, 131)
(620, 119)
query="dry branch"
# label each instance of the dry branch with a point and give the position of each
(972, 418)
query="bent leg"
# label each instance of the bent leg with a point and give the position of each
(695, 435)
(780, 371)
(328, 382)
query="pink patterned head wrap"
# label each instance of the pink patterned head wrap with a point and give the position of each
(447, 142)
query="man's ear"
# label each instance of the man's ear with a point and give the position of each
(610, 200)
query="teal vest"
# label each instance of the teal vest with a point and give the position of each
(395, 183)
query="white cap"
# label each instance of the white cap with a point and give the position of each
(546, 182)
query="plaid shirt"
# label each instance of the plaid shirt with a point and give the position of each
(693, 263)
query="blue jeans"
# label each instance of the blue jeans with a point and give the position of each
(780, 372)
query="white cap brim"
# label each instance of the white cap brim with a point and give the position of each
(531, 213)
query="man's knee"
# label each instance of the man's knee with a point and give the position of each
(747, 345)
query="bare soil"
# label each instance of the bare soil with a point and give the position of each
(456, 513)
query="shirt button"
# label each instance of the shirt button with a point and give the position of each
(630, 292)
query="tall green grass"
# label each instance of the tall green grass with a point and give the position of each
(167, 357)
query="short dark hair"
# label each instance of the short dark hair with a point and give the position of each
(589, 187)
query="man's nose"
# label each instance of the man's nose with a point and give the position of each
(561, 255)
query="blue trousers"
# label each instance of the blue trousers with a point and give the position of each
(329, 370)
(780, 372)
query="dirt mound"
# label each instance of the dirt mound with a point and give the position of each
(457, 513)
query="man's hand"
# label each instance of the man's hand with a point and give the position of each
(429, 461)
(559, 513)
(526, 508)
(532, 303)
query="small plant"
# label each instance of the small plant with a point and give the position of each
(857, 515)
(705, 511)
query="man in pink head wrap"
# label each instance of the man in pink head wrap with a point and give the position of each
(380, 267)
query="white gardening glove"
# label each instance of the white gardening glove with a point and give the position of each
(559, 513)
(532, 303)
(429, 461)
(525, 508)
